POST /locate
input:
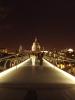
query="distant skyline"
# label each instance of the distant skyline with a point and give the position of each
(52, 22)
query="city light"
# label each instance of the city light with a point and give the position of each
(70, 50)
(13, 68)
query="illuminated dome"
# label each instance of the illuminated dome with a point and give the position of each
(35, 46)
(70, 50)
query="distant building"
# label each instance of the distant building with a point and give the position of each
(20, 49)
(3, 50)
(70, 50)
(35, 46)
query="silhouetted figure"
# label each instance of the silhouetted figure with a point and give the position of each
(40, 57)
(31, 95)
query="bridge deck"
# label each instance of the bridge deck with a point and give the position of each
(47, 81)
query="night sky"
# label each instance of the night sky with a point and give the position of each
(51, 21)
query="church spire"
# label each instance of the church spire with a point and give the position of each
(35, 39)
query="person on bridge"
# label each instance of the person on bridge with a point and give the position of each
(40, 57)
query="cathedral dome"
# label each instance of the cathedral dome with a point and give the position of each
(36, 46)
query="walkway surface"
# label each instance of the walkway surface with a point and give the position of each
(47, 82)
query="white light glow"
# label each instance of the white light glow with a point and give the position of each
(45, 51)
(70, 50)
(63, 72)
(13, 68)
(33, 58)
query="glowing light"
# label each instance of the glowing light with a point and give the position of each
(13, 68)
(70, 50)
(63, 72)
(62, 66)
(45, 51)
(33, 58)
